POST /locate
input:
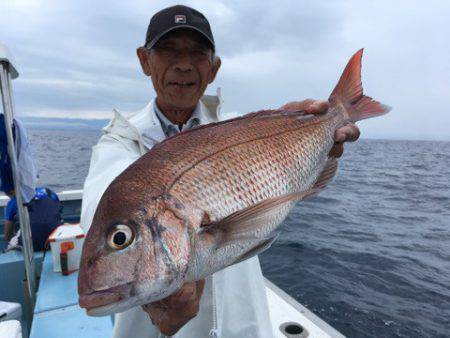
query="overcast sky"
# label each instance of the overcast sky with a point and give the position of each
(78, 58)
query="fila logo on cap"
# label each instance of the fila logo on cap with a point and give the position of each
(180, 18)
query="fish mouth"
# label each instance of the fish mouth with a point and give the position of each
(98, 303)
(109, 302)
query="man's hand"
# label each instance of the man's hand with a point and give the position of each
(171, 313)
(347, 133)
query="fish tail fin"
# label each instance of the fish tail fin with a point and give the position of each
(349, 92)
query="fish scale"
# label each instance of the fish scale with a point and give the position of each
(174, 155)
(268, 167)
(278, 164)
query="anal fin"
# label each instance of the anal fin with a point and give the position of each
(327, 174)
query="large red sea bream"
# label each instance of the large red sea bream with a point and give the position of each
(210, 197)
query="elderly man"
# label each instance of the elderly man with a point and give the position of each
(179, 57)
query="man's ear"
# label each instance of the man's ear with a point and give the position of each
(215, 68)
(144, 58)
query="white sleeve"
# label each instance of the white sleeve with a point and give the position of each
(109, 158)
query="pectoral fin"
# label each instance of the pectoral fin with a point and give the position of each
(248, 223)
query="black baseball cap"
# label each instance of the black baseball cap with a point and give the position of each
(177, 17)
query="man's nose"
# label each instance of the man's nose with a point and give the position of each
(183, 62)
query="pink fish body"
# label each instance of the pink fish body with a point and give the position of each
(210, 197)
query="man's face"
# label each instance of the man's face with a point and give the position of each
(181, 66)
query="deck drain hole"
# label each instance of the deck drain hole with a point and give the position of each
(293, 329)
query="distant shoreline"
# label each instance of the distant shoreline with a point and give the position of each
(43, 123)
(47, 123)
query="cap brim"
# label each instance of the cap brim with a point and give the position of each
(152, 43)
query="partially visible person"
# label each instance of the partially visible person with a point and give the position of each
(45, 215)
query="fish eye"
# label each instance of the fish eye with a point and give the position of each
(120, 236)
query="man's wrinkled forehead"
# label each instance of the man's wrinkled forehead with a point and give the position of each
(195, 37)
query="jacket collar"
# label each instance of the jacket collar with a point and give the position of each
(169, 127)
(144, 127)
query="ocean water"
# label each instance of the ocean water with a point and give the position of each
(370, 255)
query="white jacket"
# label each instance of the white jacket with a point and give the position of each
(234, 302)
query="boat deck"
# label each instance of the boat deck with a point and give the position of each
(57, 313)
(291, 319)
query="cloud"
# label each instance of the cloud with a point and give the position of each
(78, 58)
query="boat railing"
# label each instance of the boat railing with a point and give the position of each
(7, 73)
